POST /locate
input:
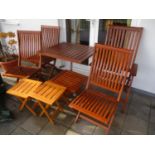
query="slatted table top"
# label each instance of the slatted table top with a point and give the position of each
(23, 88)
(48, 92)
(69, 52)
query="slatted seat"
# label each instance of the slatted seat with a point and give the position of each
(109, 70)
(128, 38)
(20, 72)
(46, 95)
(29, 45)
(22, 90)
(96, 104)
(71, 80)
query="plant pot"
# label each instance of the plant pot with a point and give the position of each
(9, 64)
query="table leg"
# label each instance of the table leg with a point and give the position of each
(71, 66)
(40, 62)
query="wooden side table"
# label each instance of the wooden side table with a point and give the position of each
(46, 95)
(22, 90)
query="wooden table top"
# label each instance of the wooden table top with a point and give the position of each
(23, 88)
(48, 92)
(69, 52)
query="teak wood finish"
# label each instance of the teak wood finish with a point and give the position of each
(46, 95)
(124, 37)
(50, 38)
(69, 52)
(71, 80)
(128, 38)
(22, 90)
(109, 71)
(29, 45)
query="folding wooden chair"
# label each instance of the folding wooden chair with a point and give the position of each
(47, 95)
(109, 70)
(22, 90)
(29, 45)
(128, 38)
(50, 38)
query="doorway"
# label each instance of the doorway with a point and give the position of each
(78, 31)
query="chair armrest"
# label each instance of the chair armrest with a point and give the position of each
(134, 69)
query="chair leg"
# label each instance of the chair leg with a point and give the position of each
(77, 117)
(54, 62)
(124, 102)
(59, 107)
(106, 131)
(65, 98)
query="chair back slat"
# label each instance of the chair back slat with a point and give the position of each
(29, 43)
(124, 37)
(110, 67)
(50, 36)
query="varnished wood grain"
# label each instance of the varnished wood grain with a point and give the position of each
(29, 44)
(70, 52)
(71, 80)
(124, 37)
(109, 70)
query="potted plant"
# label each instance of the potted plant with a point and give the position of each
(8, 56)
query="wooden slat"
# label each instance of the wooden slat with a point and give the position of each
(48, 92)
(29, 45)
(69, 52)
(100, 110)
(110, 67)
(50, 36)
(71, 80)
(23, 88)
(109, 70)
(124, 37)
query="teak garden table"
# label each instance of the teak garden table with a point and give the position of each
(75, 53)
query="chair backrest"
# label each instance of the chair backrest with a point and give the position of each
(50, 36)
(109, 68)
(29, 44)
(124, 37)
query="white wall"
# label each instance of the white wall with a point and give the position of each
(26, 24)
(145, 79)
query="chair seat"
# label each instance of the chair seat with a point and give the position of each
(71, 80)
(96, 105)
(20, 72)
